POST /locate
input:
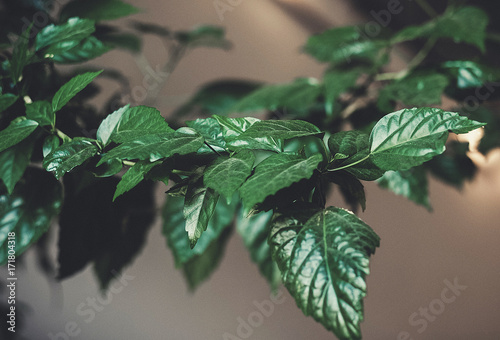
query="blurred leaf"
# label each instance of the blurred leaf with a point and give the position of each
(20, 55)
(89, 48)
(204, 36)
(336, 82)
(97, 10)
(54, 39)
(125, 41)
(6, 100)
(150, 28)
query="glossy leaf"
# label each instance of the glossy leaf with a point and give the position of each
(280, 129)
(41, 111)
(411, 184)
(227, 174)
(6, 100)
(28, 211)
(274, 173)
(89, 48)
(129, 123)
(324, 259)
(132, 177)
(69, 155)
(210, 129)
(156, 146)
(16, 132)
(50, 143)
(254, 231)
(410, 137)
(71, 88)
(54, 39)
(98, 10)
(199, 206)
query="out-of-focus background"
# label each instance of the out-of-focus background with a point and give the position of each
(421, 253)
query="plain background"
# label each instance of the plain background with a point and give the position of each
(419, 250)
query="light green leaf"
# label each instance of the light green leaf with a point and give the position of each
(324, 259)
(199, 206)
(274, 173)
(280, 129)
(14, 161)
(413, 90)
(298, 96)
(55, 39)
(411, 184)
(227, 174)
(16, 132)
(156, 146)
(410, 137)
(41, 111)
(343, 44)
(98, 10)
(69, 155)
(28, 211)
(6, 100)
(467, 24)
(129, 123)
(132, 177)
(254, 231)
(89, 48)
(71, 88)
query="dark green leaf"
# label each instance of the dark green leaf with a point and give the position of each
(125, 41)
(413, 90)
(274, 173)
(16, 132)
(254, 231)
(89, 48)
(410, 137)
(41, 111)
(157, 146)
(343, 44)
(280, 129)
(6, 100)
(56, 39)
(109, 168)
(50, 143)
(199, 206)
(411, 184)
(466, 24)
(14, 161)
(71, 88)
(97, 10)
(336, 82)
(20, 55)
(351, 188)
(132, 177)
(28, 211)
(129, 123)
(324, 259)
(69, 155)
(298, 95)
(469, 74)
(227, 174)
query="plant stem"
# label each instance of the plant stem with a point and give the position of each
(350, 165)
(62, 135)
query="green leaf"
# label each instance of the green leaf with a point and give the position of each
(14, 161)
(109, 168)
(69, 155)
(411, 184)
(16, 132)
(132, 177)
(50, 143)
(410, 137)
(342, 45)
(467, 24)
(468, 74)
(254, 231)
(28, 211)
(98, 10)
(274, 173)
(204, 36)
(298, 96)
(280, 129)
(157, 146)
(197, 263)
(129, 123)
(324, 259)
(337, 81)
(89, 48)
(56, 39)
(21, 55)
(350, 150)
(71, 88)
(6, 100)
(232, 128)
(413, 90)
(210, 129)
(199, 206)
(125, 41)
(227, 174)
(350, 187)
(41, 111)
